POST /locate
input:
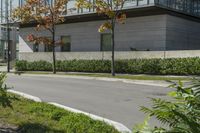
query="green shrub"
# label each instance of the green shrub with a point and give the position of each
(21, 65)
(181, 113)
(5, 99)
(39, 66)
(173, 66)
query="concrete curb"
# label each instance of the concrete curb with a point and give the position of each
(140, 82)
(36, 99)
(120, 127)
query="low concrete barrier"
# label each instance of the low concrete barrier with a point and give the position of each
(36, 56)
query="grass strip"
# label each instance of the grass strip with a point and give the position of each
(33, 117)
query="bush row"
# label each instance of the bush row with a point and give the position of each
(176, 66)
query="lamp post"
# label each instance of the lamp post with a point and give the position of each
(8, 35)
(1, 11)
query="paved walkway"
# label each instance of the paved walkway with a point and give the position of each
(3, 68)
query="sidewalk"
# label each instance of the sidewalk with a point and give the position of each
(88, 73)
(87, 76)
(3, 68)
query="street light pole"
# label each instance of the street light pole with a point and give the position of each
(8, 35)
(1, 11)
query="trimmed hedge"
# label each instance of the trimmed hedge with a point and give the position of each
(175, 66)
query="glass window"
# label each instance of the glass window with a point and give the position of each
(35, 47)
(71, 8)
(188, 6)
(106, 42)
(66, 43)
(130, 3)
(142, 2)
(2, 43)
(151, 1)
(48, 48)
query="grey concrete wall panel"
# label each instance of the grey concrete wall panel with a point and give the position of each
(141, 33)
(154, 33)
(182, 34)
(47, 56)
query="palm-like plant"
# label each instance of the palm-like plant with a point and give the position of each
(5, 99)
(181, 113)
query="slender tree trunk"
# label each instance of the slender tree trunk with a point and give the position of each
(113, 48)
(54, 54)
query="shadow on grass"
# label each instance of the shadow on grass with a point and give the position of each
(37, 128)
(6, 99)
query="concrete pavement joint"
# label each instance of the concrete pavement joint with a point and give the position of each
(120, 127)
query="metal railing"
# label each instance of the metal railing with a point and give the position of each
(191, 7)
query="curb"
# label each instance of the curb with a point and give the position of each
(36, 99)
(120, 127)
(138, 82)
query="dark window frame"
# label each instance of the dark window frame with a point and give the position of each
(48, 48)
(62, 45)
(35, 47)
(101, 45)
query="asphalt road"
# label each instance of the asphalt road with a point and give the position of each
(117, 101)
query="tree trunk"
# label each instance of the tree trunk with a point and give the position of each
(54, 54)
(113, 48)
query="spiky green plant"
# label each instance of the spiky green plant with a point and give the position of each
(181, 112)
(5, 99)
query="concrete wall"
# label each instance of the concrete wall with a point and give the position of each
(107, 55)
(182, 34)
(142, 33)
(157, 32)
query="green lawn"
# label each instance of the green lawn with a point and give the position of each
(120, 76)
(34, 117)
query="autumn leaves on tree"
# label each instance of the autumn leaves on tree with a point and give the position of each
(44, 15)
(112, 11)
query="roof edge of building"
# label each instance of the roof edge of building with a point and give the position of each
(133, 12)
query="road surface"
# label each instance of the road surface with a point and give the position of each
(114, 100)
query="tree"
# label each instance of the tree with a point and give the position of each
(45, 15)
(113, 12)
